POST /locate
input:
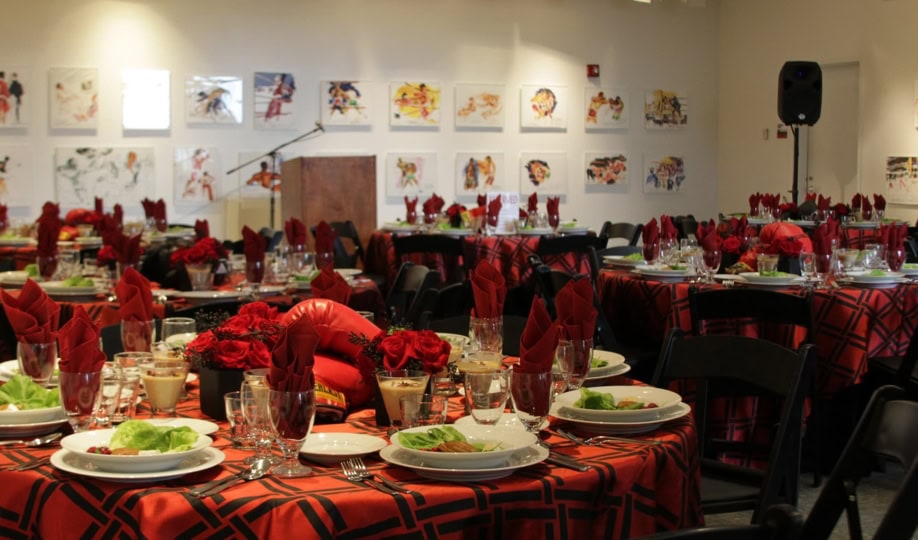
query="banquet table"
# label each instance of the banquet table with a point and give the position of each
(631, 490)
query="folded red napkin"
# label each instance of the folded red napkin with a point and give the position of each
(201, 229)
(99, 206)
(856, 201)
(650, 238)
(118, 215)
(482, 200)
(439, 203)
(489, 289)
(533, 203)
(809, 197)
(834, 226)
(135, 297)
(293, 357)
(253, 245)
(711, 240)
(823, 203)
(127, 248)
(49, 229)
(430, 206)
(866, 209)
(703, 229)
(538, 341)
(4, 218)
(754, 200)
(33, 315)
(325, 238)
(329, 284)
(147, 208)
(879, 202)
(576, 310)
(159, 215)
(494, 211)
(883, 236)
(78, 344)
(551, 207)
(668, 230)
(296, 232)
(523, 214)
(411, 210)
(823, 238)
(50, 209)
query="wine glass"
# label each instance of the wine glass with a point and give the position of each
(292, 414)
(564, 357)
(712, 259)
(254, 274)
(532, 394)
(581, 359)
(257, 417)
(808, 267)
(80, 395)
(178, 331)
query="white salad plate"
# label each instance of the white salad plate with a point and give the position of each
(15, 241)
(909, 269)
(10, 369)
(535, 231)
(564, 229)
(203, 427)
(78, 443)
(624, 261)
(868, 277)
(507, 420)
(787, 280)
(76, 463)
(661, 273)
(664, 400)
(332, 448)
(31, 430)
(621, 428)
(14, 278)
(524, 457)
(202, 297)
(861, 224)
(31, 416)
(400, 226)
(61, 287)
(348, 272)
(614, 362)
(504, 443)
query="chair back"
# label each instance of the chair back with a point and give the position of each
(781, 522)
(449, 248)
(345, 233)
(582, 246)
(761, 305)
(411, 281)
(630, 232)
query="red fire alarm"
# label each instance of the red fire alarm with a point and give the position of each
(592, 70)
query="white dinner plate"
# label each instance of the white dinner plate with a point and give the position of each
(622, 428)
(867, 277)
(802, 222)
(861, 225)
(76, 464)
(788, 280)
(660, 273)
(847, 282)
(521, 458)
(622, 260)
(507, 420)
(202, 297)
(10, 368)
(614, 361)
(179, 233)
(348, 272)
(15, 241)
(573, 230)
(60, 287)
(757, 220)
(266, 290)
(665, 400)
(203, 427)
(909, 269)
(31, 416)
(31, 430)
(400, 226)
(592, 377)
(332, 448)
(140, 463)
(455, 232)
(535, 231)
(16, 278)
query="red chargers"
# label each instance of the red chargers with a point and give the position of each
(592, 70)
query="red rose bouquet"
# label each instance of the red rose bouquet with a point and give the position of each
(106, 256)
(786, 247)
(416, 350)
(243, 341)
(456, 214)
(204, 251)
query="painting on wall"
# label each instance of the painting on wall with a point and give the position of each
(606, 108)
(902, 179)
(213, 99)
(915, 105)
(543, 106)
(665, 109)
(117, 175)
(15, 97)
(16, 181)
(145, 99)
(479, 172)
(605, 168)
(414, 104)
(665, 174)
(257, 180)
(543, 172)
(345, 103)
(74, 98)
(411, 173)
(196, 175)
(275, 105)
(480, 105)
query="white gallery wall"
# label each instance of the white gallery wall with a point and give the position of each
(639, 47)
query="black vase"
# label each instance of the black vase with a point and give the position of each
(791, 265)
(214, 383)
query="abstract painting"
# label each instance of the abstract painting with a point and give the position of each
(15, 97)
(16, 181)
(345, 103)
(414, 104)
(275, 104)
(74, 98)
(665, 109)
(411, 173)
(480, 105)
(213, 99)
(606, 108)
(605, 168)
(902, 179)
(664, 174)
(145, 99)
(543, 106)
(256, 180)
(543, 172)
(197, 170)
(117, 175)
(479, 172)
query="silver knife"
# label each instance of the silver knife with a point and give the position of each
(566, 461)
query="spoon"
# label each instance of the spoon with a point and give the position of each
(38, 441)
(255, 471)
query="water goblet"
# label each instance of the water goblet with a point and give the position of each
(712, 258)
(37, 360)
(581, 360)
(292, 414)
(532, 395)
(808, 267)
(255, 412)
(564, 358)
(254, 274)
(325, 260)
(823, 268)
(895, 257)
(232, 401)
(178, 331)
(110, 395)
(486, 394)
(129, 362)
(80, 395)
(137, 335)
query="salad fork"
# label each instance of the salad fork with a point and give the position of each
(29, 465)
(361, 468)
(351, 473)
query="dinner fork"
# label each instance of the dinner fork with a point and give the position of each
(351, 473)
(361, 468)
(599, 439)
(29, 465)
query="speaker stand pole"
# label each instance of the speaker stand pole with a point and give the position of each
(796, 131)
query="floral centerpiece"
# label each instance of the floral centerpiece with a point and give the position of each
(199, 261)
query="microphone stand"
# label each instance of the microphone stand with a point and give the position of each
(273, 155)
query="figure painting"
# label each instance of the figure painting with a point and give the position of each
(480, 105)
(258, 180)
(414, 104)
(543, 106)
(145, 99)
(605, 108)
(275, 106)
(543, 172)
(345, 103)
(665, 109)
(902, 179)
(664, 174)
(74, 98)
(117, 175)
(606, 168)
(213, 100)
(479, 172)
(197, 170)
(411, 174)
(15, 97)
(16, 181)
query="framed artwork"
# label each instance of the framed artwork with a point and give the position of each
(118, 175)
(256, 180)
(606, 108)
(665, 174)
(915, 105)
(213, 99)
(275, 101)
(15, 97)
(480, 172)
(543, 106)
(414, 104)
(197, 174)
(902, 179)
(543, 172)
(480, 105)
(665, 109)
(605, 168)
(411, 173)
(74, 98)
(16, 180)
(345, 103)
(145, 99)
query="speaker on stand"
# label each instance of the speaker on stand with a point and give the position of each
(799, 102)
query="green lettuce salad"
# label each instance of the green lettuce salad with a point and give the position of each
(24, 393)
(602, 401)
(79, 281)
(434, 437)
(142, 435)
(634, 257)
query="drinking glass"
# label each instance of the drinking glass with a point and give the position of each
(325, 260)
(254, 396)
(37, 360)
(254, 273)
(292, 414)
(767, 264)
(823, 268)
(129, 362)
(712, 259)
(395, 384)
(163, 382)
(564, 357)
(651, 252)
(80, 394)
(137, 335)
(178, 331)
(531, 398)
(237, 433)
(47, 266)
(808, 267)
(486, 334)
(669, 250)
(68, 263)
(875, 256)
(110, 395)
(423, 410)
(581, 358)
(895, 257)
(302, 262)
(486, 394)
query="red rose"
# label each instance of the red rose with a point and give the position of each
(105, 256)
(432, 351)
(841, 210)
(202, 343)
(259, 309)
(731, 244)
(259, 355)
(396, 350)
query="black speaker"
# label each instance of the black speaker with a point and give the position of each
(800, 93)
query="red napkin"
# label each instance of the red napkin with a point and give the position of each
(523, 214)
(439, 203)
(33, 315)
(293, 357)
(118, 215)
(201, 229)
(667, 229)
(823, 203)
(4, 218)
(325, 238)
(329, 284)
(253, 245)
(78, 342)
(482, 200)
(148, 208)
(823, 238)
(50, 209)
(49, 229)
(711, 240)
(135, 297)
(99, 206)
(533, 203)
(576, 310)
(411, 210)
(538, 341)
(703, 229)
(432, 205)
(127, 248)
(159, 215)
(493, 211)
(883, 236)
(754, 200)
(551, 205)
(296, 232)
(650, 238)
(809, 197)
(866, 209)
(856, 201)
(489, 288)
(879, 202)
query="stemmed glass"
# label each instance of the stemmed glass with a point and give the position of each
(257, 417)
(564, 357)
(532, 395)
(712, 259)
(80, 395)
(292, 414)
(808, 268)
(178, 331)
(254, 274)
(581, 359)
(823, 268)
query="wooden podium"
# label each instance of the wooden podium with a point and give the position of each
(331, 189)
